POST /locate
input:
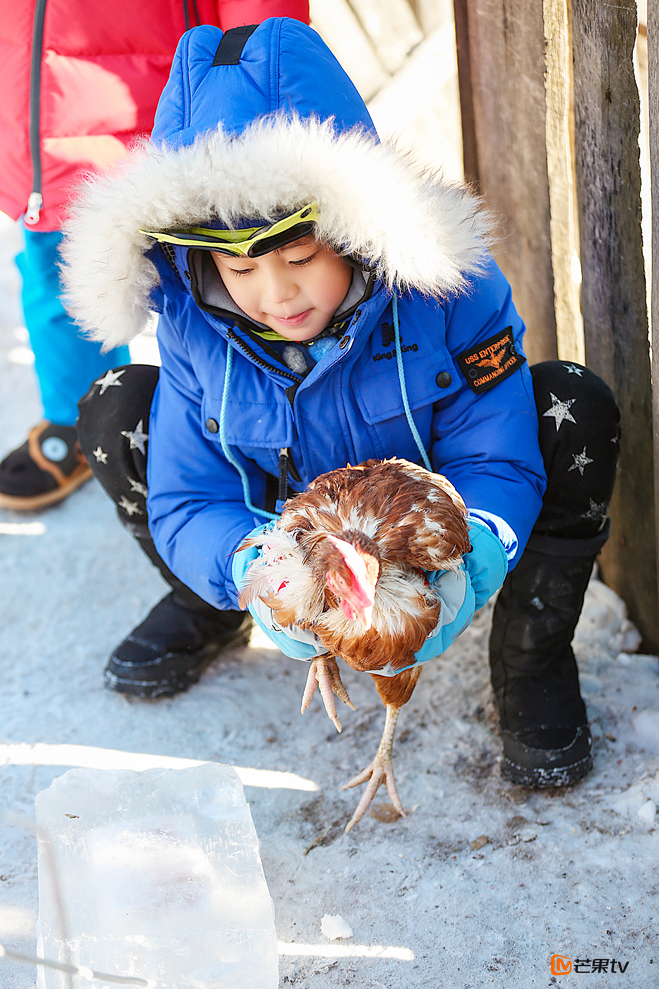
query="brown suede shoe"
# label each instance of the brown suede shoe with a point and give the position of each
(47, 468)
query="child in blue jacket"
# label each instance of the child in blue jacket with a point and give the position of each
(324, 302)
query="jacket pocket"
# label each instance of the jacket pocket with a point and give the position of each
(248, 425)
(427, 379)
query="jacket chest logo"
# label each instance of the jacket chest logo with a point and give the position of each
(490, 361)
(388, 337)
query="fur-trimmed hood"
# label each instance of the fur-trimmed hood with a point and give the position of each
(224, 150)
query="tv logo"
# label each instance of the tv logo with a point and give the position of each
(560, 965)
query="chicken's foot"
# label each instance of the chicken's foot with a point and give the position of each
(324, 673)
(380, 770)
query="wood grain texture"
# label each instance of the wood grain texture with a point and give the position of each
(391, 27)
(613, 297)
(506, 55)
(560, 167)
(653, 85)
(469, 143)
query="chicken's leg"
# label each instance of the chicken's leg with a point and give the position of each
(380, 770)
(394, 691)
(324, 673)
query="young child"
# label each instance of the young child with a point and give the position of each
(324, 302)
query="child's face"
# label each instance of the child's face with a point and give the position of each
(294, 290)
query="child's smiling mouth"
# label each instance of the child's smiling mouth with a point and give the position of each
(293, 320)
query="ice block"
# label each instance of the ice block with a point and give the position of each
(158, 875)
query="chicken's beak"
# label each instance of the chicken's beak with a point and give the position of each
(357, 603)
(365, 617)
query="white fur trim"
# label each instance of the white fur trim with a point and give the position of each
(417, 230)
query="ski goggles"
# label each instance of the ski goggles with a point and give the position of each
(252, 242)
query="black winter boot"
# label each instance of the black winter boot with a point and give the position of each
(177, 640)
(172, 647)
(546, 740)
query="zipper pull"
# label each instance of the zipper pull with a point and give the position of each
(34, 204)
(283, 475)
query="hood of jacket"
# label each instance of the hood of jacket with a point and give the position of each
(279, 126)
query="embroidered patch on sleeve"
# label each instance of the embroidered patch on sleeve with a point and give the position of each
(490, 361)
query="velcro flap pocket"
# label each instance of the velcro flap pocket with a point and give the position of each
(429, 378)
(249, 424)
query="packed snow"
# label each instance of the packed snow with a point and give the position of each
(479, 885)
(333, 926)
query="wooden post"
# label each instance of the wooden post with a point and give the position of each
(560, 167)
(613, 298)
(503, 44)
(469, 145)
(653, 83)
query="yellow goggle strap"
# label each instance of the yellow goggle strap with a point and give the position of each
(251, 242)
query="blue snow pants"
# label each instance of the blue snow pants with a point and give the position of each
(65, 362)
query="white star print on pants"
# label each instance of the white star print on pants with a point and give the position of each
(137, 437)
(580, 461)
(130, 507)
(560, 410)
(109, 379)
(137, 486)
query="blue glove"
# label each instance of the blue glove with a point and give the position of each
(295, 642)
(462, 593)
(487, 564)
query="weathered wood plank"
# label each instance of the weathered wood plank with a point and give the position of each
(431, 14)
(560, 167)
(506, 54)
(653, 102)
(392, 28)
(613, 298)
(419, 108)
(469, 142)
(337, 24)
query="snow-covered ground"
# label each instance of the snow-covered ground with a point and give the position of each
(430, 902)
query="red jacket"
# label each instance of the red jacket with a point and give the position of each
(80, 79)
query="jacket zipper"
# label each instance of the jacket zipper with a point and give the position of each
(35, 200)
(286, 462)
(259, 361)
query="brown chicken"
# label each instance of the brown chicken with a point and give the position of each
(347, 560)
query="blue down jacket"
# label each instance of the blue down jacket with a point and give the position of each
(348, 409)
(419, 237)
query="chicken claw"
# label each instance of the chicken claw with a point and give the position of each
(324, 673)
(379, 771)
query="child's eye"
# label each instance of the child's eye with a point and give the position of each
(240, 271)
(303, 261)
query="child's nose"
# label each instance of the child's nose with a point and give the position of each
(279, 288)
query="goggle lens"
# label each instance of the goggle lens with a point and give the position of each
(253, 242)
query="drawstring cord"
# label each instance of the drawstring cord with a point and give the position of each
(247, 498)
(283, 454)
(403, 387)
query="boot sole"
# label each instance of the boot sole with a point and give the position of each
(28, 503)
(543, 768)
(153, 689)
(542, 778)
